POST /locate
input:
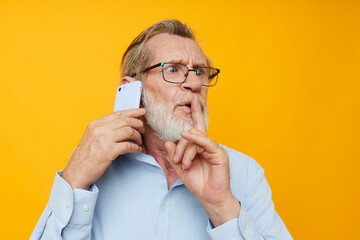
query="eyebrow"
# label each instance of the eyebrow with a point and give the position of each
(196, 65)
(200, 65)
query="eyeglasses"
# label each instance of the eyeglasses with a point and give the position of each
(177, 73)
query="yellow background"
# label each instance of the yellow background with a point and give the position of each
(288, 95)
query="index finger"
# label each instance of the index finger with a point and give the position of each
(197, 114)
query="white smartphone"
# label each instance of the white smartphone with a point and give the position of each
(128, 96)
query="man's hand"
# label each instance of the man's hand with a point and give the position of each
(203, 166)
(104, 140)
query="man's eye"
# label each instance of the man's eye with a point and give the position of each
(199, 72)
(171, 69)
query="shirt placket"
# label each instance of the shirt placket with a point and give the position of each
(163, 217)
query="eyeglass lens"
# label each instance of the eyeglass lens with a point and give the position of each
(176, 72)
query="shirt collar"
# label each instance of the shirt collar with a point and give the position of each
(142, 157)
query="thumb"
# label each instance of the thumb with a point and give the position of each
(170, 148)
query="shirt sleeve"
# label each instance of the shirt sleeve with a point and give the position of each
(258, 218)
(68, 214)
(243, 228)
(236, 229)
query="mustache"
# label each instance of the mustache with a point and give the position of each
(187, 100)
(181, 100)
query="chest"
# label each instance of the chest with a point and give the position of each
(136, 204)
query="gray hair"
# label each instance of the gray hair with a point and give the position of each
(137, 56)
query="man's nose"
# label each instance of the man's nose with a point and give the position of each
(192, 82)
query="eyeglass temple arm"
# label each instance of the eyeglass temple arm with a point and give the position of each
(152, 67)
(214, 75)
(149, 68)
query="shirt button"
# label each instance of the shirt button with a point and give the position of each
(164, 208)
(67, 204)
(247, 232)
(86, 208)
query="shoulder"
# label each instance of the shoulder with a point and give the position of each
(241, 160)
(244, 172)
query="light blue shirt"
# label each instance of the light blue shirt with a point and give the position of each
(131, 201)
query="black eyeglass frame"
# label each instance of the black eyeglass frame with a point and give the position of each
(217, 71)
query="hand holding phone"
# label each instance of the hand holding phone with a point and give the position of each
(106, 138)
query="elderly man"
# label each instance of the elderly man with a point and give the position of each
(152, 172)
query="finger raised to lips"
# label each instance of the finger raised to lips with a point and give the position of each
(197, 114)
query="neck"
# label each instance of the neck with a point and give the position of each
(155, 147)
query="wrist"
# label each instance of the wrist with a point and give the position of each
(72, 182)
(223, 212)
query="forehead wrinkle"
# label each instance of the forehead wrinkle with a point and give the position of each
(195, 54)
(185, 51)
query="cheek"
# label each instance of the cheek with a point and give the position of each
(162, 93)
(166, 92)
(153, 87)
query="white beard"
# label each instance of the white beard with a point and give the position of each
(162, 120)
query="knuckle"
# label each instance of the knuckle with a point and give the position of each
(193, 130)
(101, 140)
(128, 146)
(92, 124)
(127, 120)
(130, 131)
(97, 131)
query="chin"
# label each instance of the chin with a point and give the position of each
(171, 130)
(184, 120)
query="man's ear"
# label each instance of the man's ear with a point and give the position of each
(126, 79)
